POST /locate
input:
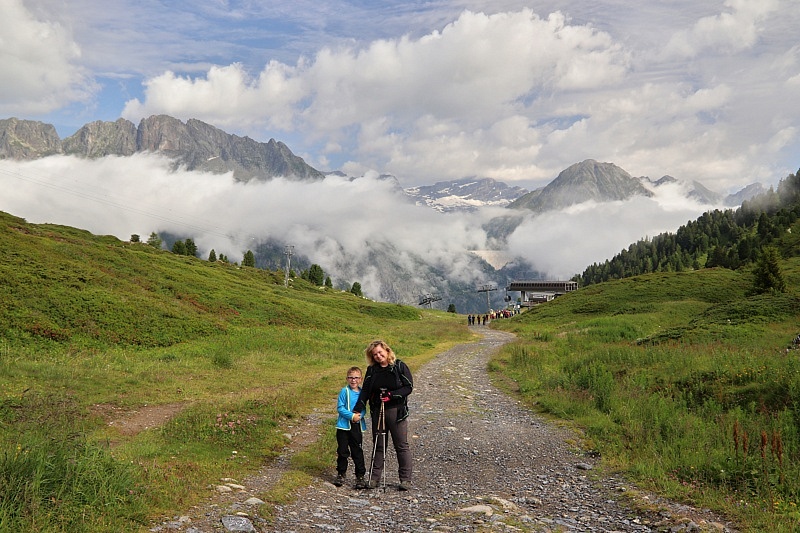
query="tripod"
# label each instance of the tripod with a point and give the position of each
(381, 432)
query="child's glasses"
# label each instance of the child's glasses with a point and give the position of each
(353, 377)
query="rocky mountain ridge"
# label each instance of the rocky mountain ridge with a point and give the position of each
(194, 145)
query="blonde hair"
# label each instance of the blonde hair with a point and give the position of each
(354, 369)
(390, 356)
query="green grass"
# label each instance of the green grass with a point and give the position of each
(679, 380)
(91, 327)
(682, 381)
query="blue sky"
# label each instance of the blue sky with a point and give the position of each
(433, 90)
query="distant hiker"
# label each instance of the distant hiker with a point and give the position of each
(349, 428)
(388, 381)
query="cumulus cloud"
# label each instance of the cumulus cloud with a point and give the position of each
(455, 91)
(226, 96)
(731, 31)
(518, 96)
(39, 64)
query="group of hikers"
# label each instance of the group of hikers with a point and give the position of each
(385, 388)
(478, 320)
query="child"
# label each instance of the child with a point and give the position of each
(349, 428)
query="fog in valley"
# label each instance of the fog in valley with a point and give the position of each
(355, 229)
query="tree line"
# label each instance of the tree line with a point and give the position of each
(757, 235)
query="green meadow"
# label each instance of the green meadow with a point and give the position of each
(680, 381)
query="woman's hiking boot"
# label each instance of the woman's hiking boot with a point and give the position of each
(361, 483)
(339, 481)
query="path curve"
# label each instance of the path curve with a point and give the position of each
(481, 462)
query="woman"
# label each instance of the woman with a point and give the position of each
(388, 383)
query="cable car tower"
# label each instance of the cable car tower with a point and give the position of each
(428, 299)
(487, 289)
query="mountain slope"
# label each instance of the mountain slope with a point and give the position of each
(62, 284)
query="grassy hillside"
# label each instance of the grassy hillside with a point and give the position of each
(688, 382)
(93, 329)
(681, 380)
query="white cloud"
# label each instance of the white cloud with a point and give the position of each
(225, 97)
(728, 32)
(334, 223)
(39, 64)
(410, 98)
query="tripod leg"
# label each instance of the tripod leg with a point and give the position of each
(380, 431)
(372, 462)
(384, 459)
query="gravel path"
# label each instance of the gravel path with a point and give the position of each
(482, 462)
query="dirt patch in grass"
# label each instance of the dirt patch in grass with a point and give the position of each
(130, 422)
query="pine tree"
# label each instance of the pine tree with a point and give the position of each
(212, 256)
(316, 275)
(154, 240)
(767, 272)
(356, 289)
(249, 259)
(191, 248)
(179, 248)
(328, 282)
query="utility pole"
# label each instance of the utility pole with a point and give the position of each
(288, 251)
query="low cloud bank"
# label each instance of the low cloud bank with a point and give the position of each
(338, 223)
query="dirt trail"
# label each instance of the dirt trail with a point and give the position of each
(482, 462)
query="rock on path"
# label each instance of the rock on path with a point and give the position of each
(482, 462)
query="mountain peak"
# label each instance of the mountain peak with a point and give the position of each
(581, 182)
